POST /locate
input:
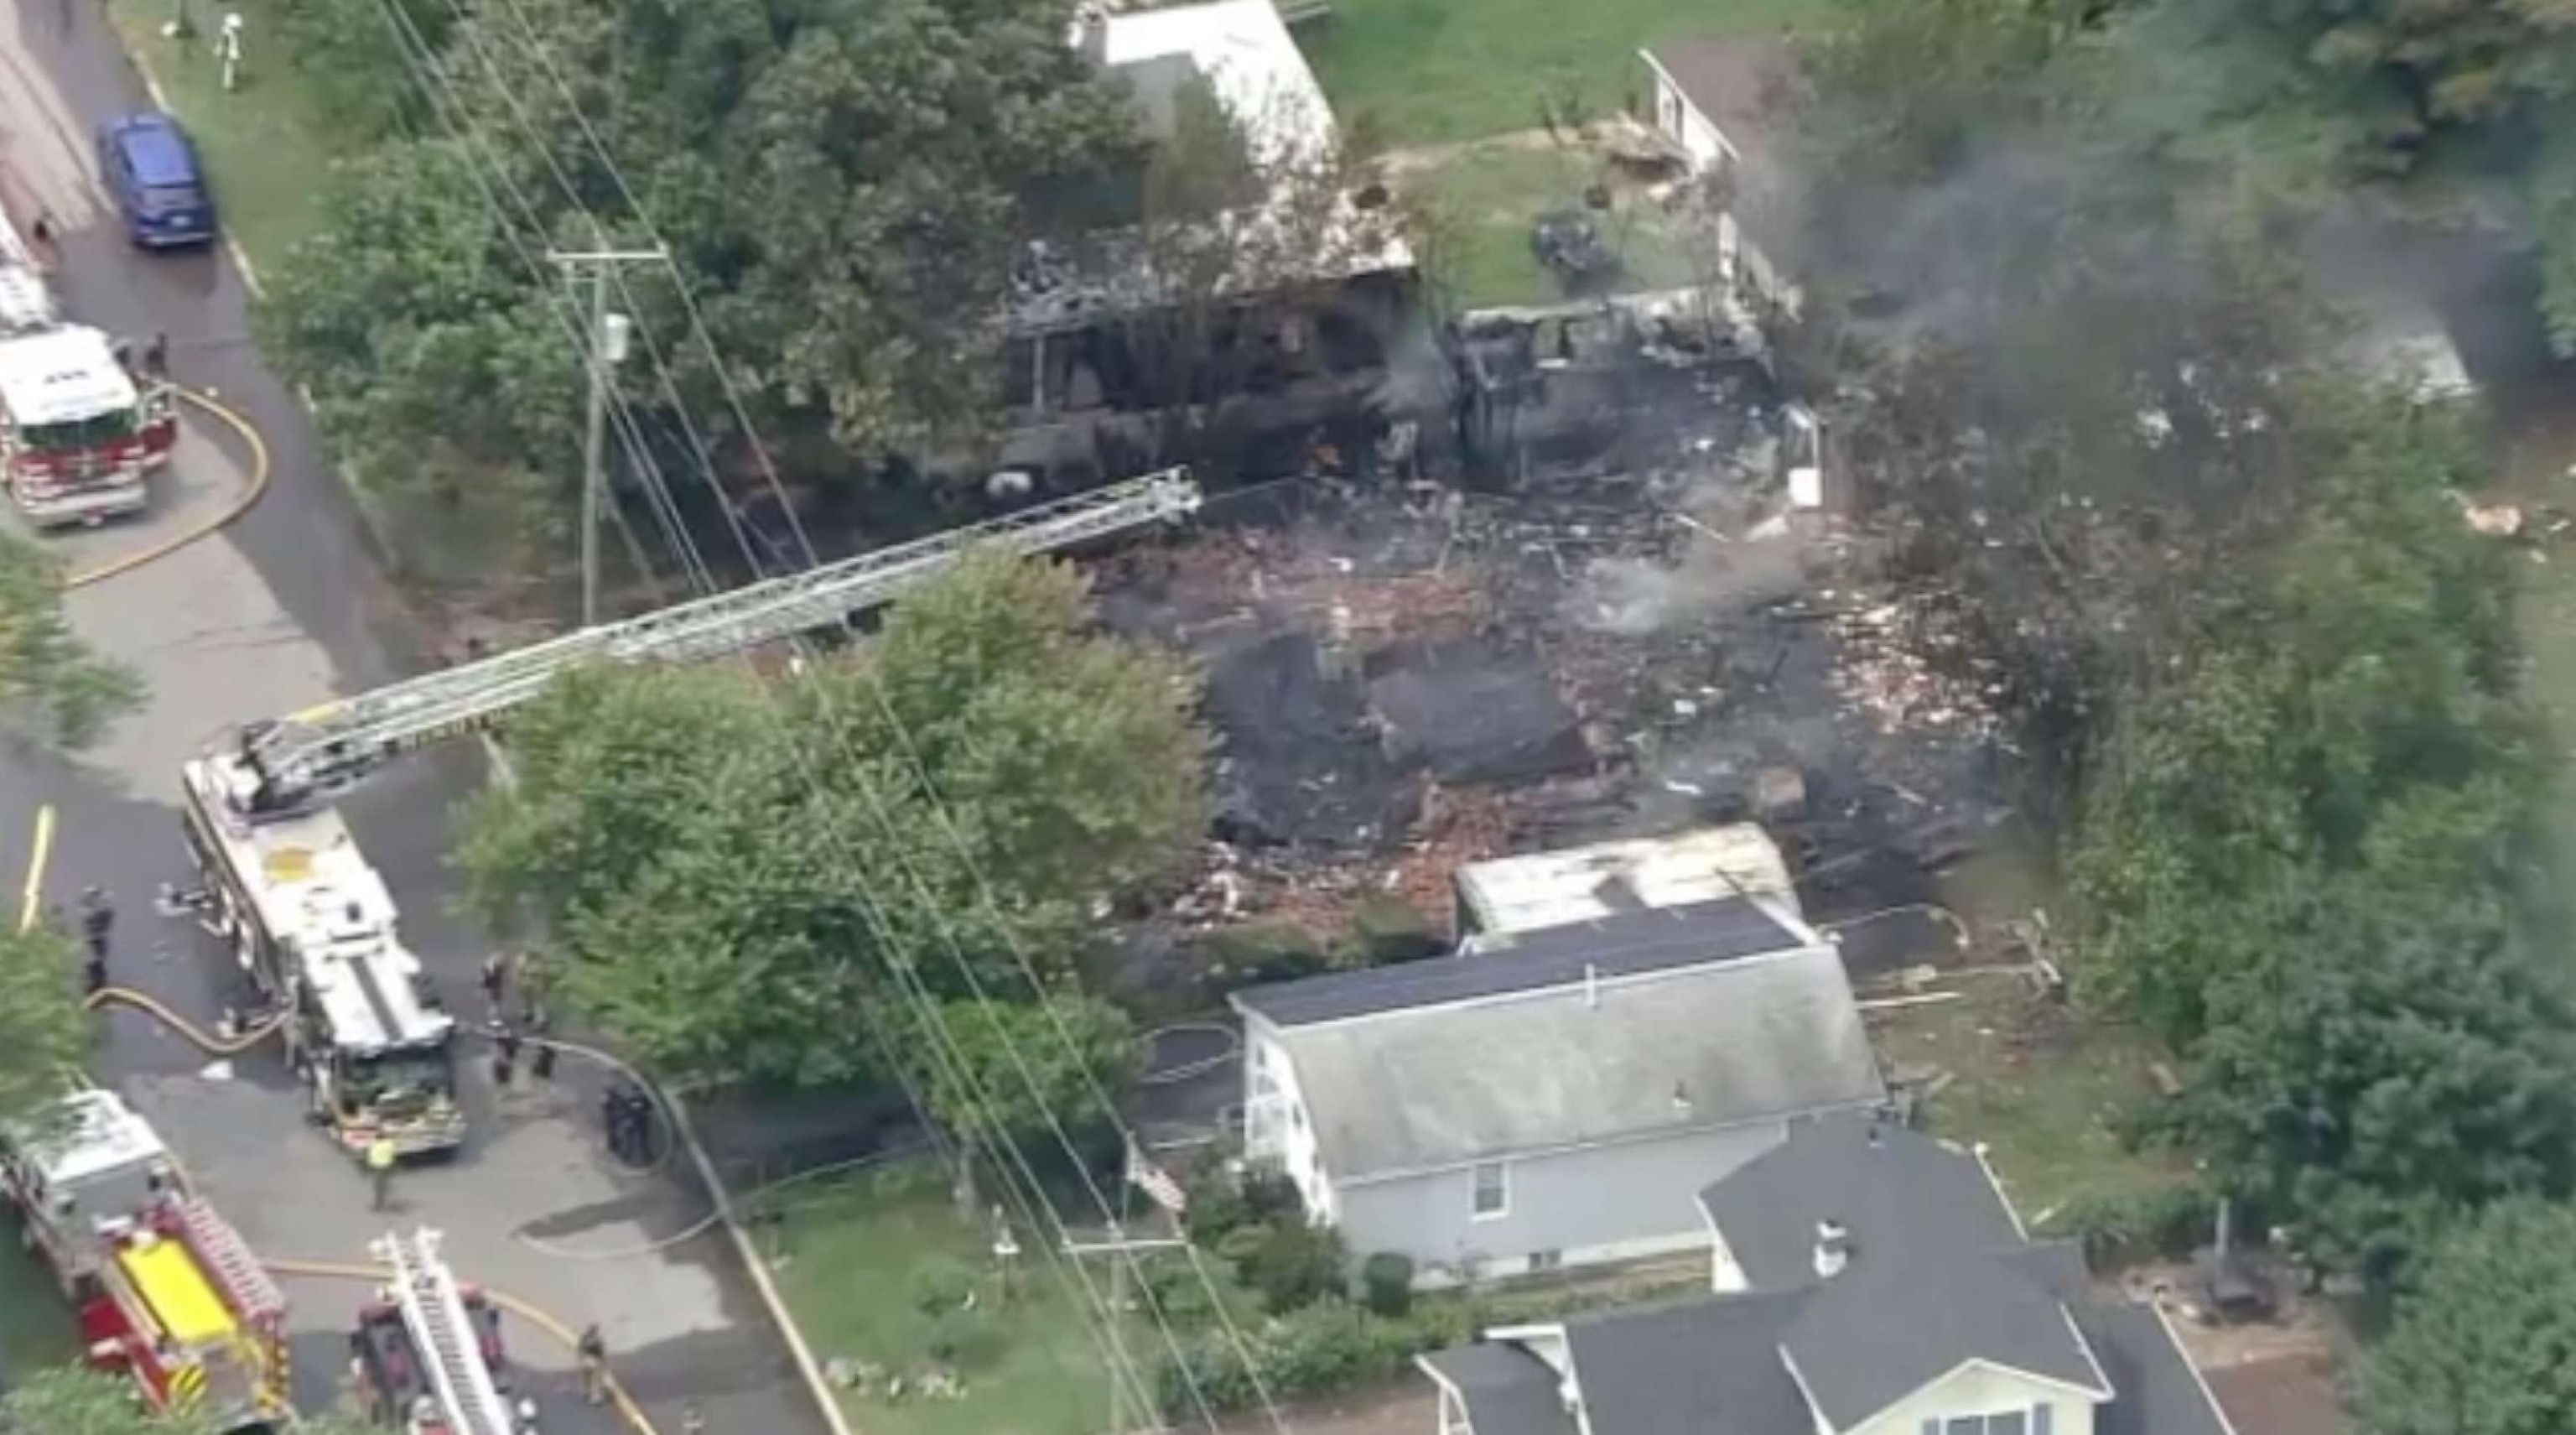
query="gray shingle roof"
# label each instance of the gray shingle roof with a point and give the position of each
(1658, 1055)
(1625, 945)
(1938, 1276)
(1876, 1180)
(1704, 1367)
(1508, 1391)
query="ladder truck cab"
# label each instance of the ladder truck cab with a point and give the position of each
(80, 432)
(428, 1349)
(314, 928)
(165, 1289)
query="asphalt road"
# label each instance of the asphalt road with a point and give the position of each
(281, 609)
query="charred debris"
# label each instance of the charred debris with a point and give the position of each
(1595, 588)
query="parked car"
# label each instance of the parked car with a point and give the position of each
(151, 168)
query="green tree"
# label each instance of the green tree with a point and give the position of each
(86, 1402)
(49, 678)
(43, 1031)
(2483, 1342)
(725, 865)
(1005, 1071)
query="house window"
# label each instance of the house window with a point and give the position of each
(2033, 1421)
(1493, 1190)
(1542, 1262)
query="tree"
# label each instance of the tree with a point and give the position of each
(727, 867)
(1015, 1072)
(85, 1402)
(43, 1031)
(2483, 1342)
(841, 185)
(48, 676)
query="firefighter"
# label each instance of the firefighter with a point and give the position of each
(592, 1350)
(496, 975)
(541, 1027)
(380, 1170)
(98, 919)
(156, 356)
(693, 1421)
(505, 1056)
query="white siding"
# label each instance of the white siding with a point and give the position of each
(1277, 1127)
(1980, 1389)
(1591, 1206)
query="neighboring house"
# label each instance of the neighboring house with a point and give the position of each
(1873, 1281)
(1723, 104)
(1556, 1100)
(1303, 290)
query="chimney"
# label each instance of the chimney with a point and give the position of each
(1833, 1248)
(1091, 34)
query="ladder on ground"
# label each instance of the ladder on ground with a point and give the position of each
(331, 747)
(442, 1330)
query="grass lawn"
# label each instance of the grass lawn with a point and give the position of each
(1490, 197)
(1412, 72)
(853, 1258)
(266, 146)
(2037, 1082)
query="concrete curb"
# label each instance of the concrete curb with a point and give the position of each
(505, 775)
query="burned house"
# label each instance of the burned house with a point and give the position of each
(1272, 314)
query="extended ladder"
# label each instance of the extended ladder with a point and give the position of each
(435, 1316)
(330, 747)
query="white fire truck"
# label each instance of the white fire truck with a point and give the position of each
(428, 1349)
(313, 926)
(164, 1288)
(79, 433)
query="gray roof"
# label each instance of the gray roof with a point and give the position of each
(1876, 1180)
(1621, 945)
(1938, 1277)
(1693, 1368)
(2159, 1393)
(1657, 1055)
(1508, 1391)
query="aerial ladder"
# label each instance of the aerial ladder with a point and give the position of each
(447, 1340)
(281, 767)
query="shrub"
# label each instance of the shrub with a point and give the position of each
(2123, 1227)
(1386, 930)
(941, 1284)
(1259, 952)
(1239, 1244)
(1386, 1280)
(1271, 1196)
(1295, 1264)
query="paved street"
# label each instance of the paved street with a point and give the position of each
(281, 609)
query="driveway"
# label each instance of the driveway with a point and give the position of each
(283, 608)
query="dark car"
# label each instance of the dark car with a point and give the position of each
(152, 169)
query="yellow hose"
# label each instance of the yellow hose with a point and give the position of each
(633, 1413)
(212, 1046)
(248, 499)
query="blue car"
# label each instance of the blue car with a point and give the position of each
(152, 169)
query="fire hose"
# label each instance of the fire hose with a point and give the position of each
(211, 1045)
(632, 1413)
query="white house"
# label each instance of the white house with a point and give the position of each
(1721, 103)
(1554, 1099)
(1872, 1281)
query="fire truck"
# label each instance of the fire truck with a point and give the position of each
(313, 927)
(164, 1287)
(80, 433)
(428, 1349)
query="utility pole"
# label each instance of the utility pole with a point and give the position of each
(1122, 1248)
(602, 350)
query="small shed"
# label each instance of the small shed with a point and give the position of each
(1543, 890)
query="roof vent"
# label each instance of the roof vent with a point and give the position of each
(1833, 1248)
(1592, 985)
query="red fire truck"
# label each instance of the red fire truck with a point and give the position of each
(80, 432)
(165, 1289)
(428, 1349)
